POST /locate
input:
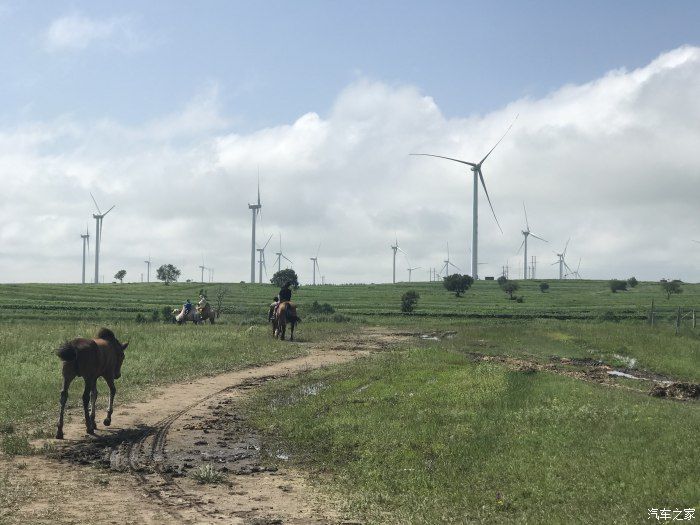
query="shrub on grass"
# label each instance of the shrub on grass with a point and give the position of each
(632, 282)
(155, 315)
(608, 315)
(544, 287)
(140, 318)
(167, 314)
(616, 285)
(510, 288)
(317, 308)
(409, 301)
(671, 287)
(501, 280)
(458, 283)
(340, 318)
(519, 299)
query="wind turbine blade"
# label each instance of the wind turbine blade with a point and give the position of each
(268, 241)
(96, 206)
(696, 241)
(258, 186)
(318, 249)
(441, 157)
(105, 213)
(456, 267)
(521, 246)
(527, 224)
(566, 246)
(399, 249)
(536, 237)
(483, 184)
(499, 140)
(288, 259)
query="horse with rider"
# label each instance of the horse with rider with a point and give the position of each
(283, 312)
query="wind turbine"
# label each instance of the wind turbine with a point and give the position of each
(315, 264)
(202, 267)
(396, 248)
(561, 262)
(575, 272)
(447, 262)
(98, 236)
(410, 270)
(281, 256)
(148, 268)
(255, 210)
(526, 233)
(86, 244)
(478, 175)
(261, 259)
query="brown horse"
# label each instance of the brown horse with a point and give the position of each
(90, 359)
(286, 313)
(207, 313)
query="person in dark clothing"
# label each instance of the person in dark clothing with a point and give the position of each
(187, 306)
(286, 293)
(273, 309)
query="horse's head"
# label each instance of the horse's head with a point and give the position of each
(120, 358)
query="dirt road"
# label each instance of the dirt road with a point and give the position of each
(140, 469)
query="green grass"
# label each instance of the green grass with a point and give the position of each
(207, 474)
(30, 376)
(428, 436)
(565, 300)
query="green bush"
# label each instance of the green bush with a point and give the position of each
(409, 301)
(616, 285)
(140, 318)
(317, 308)
(16, 445)
(544, 287)
(632, 282)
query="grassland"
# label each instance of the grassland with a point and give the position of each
(423, 434)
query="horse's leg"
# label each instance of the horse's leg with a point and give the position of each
(86, 401)
(68, 376)
(112, 391)
(93, 403)
(283, 330)
(291, 336)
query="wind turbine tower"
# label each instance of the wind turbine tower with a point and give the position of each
(410, 271)
(98, 236)
(148, 269)
(446, 267)
(478, 176)
(261, 260)
(86, 244)
(202, 267)
(526, 233)
(255, 210)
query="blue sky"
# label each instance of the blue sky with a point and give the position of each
(276, 60)
(169, 109)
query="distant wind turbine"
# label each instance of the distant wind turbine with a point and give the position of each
(410, 271)
(98, 236)
(148, 268)
(86, 244)
(315, 264)
(281, 256)
(395, 248)
(261, 260)
(255, 209)
(561, 262)
(526, 233)
(446, 267)
(478, 176)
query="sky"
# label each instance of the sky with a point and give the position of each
(170, 110)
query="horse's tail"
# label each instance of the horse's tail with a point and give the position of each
(67, 352)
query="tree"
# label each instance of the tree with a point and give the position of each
(220, 294)
(458, 283)
(409, 301)
(502, 279)
(632, 282)
(167, 273)
(671, 287)
(284, 276)
(120, 275)
(544, 287)
(510, 287)
(616, 285)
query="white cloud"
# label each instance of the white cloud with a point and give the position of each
(611, 164)
(77, 31)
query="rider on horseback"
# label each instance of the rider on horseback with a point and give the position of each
(273, 309)
(285, 295)
(187, 307)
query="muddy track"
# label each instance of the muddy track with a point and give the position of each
(148, 456)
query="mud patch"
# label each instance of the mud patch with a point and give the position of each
(676, 390)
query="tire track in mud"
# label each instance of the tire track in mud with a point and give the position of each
(142, 449)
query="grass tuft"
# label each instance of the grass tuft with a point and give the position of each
(206, 474)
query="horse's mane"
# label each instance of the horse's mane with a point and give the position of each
(106, 334)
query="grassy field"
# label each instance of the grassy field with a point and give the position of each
(422, 434)
(564, 300)
(428, 436)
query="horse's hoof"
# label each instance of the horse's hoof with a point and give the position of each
(59, 434)
(91, 431)
(107, 422)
